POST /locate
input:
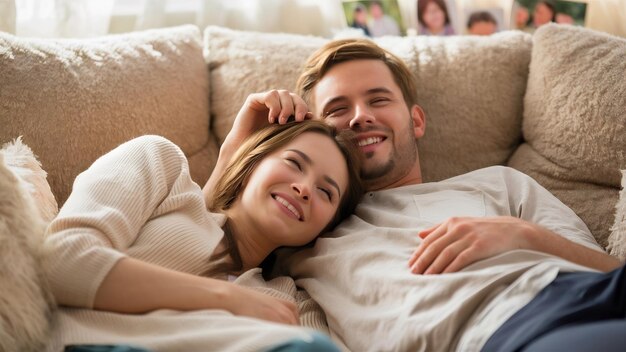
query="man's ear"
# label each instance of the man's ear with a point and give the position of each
(419, 121)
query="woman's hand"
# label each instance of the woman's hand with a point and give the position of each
(136, 287)
(244, 301)
(261, 109)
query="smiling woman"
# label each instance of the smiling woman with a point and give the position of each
(135, 236)
(298, 179)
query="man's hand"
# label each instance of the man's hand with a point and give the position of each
(459, 242)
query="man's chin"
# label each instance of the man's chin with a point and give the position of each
(371, 172)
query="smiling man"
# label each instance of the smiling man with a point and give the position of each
(496, 238)
(487, 260)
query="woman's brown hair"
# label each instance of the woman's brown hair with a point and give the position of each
(264, 142)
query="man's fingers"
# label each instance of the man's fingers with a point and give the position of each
(426, 242)
(462, 260)
(447, 256)
(422, 234)
(433, 245)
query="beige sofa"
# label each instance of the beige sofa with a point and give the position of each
(552, 105)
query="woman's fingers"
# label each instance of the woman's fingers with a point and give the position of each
(286, 106)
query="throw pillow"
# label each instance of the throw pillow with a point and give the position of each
(25, 299)
(574, 121)
(471, 88)
(21, 160)
(75, 99)
(617, 239)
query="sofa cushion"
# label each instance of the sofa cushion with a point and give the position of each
(74, 100)
(26, 302)
(471, 88)
(617, 240)
(574, 121)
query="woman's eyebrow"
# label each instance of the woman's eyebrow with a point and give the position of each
(310, 162)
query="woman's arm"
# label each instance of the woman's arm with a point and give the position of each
(139, 200)
(134, 286)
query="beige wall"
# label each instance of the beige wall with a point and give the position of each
(608, 16)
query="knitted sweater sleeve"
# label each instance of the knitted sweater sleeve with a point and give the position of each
(110, 203)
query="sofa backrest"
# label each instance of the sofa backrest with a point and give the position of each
(471, 88)
(74, 100)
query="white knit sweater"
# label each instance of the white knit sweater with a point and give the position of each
(139, 201)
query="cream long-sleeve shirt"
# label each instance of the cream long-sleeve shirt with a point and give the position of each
(139, 201)
(359, 273)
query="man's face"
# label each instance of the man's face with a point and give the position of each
(362, 95)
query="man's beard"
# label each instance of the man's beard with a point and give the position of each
(399, 164)
(379, 170)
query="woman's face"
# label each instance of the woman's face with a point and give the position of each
(434, 17)
(294, 192)
(542, 15)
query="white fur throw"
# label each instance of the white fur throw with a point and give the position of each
(21, 160)
(75, 99)
(470, 88)
(25, 300)
(617, 239)
(575, 122)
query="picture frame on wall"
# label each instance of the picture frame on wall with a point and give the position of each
(483, 21)
(530, 14)
(437, 17)
(374, 18)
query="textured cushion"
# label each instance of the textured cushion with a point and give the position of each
(74, 100)
(25, 299)
(471, 88)
(21, 160)
(575, 122)
(617, 239)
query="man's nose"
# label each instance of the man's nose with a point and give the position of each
(363, 116)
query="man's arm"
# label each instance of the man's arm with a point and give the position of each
(534, 219)
(459, 242)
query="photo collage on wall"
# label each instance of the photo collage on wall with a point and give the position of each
(375, 18)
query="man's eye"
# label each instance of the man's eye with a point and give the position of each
(294, 163)
(379, 101)
(335, 112)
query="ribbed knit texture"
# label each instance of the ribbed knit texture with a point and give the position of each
(139, 201)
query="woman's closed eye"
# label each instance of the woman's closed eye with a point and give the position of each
(327, 193)
(295, 163)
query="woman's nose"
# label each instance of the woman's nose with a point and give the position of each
(301, 190)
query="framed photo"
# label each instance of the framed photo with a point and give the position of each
(437, 17)
(483, 21)
(375, 18)
(531, 14)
